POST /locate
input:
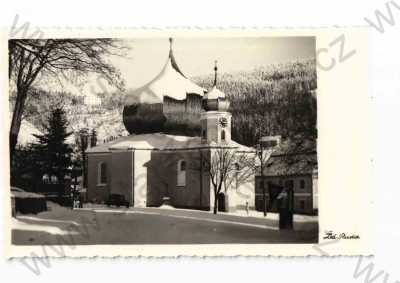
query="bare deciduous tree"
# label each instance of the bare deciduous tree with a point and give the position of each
(33, 59)
(223, 167)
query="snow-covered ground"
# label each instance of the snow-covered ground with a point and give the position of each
(301, 222)
(98, 224)
(238, 212)
(44, 226)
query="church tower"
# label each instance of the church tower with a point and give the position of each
(216, 120)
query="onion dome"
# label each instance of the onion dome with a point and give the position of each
(169, 82)
(169, 103)
(215, 100)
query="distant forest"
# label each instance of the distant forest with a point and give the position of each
(273, 100)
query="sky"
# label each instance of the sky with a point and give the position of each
(194, 56)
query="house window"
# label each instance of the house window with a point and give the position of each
(302, 184)
(302, 204)
(102, 173)
(223, 135)
(181, 177)
(204, 134)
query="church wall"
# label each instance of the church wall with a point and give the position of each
(212, 130)
(211, 122)
(240, 191)
(122, 174)
(98, 193)
(141, 181)
(245, 193)
(162, 180)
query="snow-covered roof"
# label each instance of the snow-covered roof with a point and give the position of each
(169, 82)
(214, 93)
(160, 141)
(18, 193)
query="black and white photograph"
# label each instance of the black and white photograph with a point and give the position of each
(171, 140)
(226, 141)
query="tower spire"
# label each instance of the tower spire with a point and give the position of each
(172, 58)
(215, 72)
(171, 41)
(215, 120)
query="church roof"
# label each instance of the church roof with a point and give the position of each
(161, 141)
(169, 82)
(214, 93)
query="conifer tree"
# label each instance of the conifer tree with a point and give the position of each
(55, 153)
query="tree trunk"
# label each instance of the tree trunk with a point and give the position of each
(16, 121)
(215, 203)
(13, 143)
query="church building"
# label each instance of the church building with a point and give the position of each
(157, 163)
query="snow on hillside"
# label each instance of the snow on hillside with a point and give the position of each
(27, 132)
(106, 123)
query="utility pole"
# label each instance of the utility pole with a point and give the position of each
(261, 157)
(201, 178)
(263, 181)
(84, 139)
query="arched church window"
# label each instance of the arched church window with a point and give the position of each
(222, 135)
(54, 179)
(181, 176)
(204, 134)
(102, 173)
(46, 179)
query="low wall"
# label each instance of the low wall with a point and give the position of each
(30, 205)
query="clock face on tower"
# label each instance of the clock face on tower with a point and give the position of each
(223, 122)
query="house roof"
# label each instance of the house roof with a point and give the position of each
(161, 141)
(169, 82)
(298, 164)
(295, 146)
(292, 158)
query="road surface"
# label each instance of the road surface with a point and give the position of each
(149, 226)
